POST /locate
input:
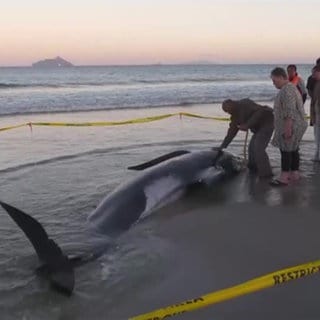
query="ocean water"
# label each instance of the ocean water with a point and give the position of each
(32, 90)
(206, 241)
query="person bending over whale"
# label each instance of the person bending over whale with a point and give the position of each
(245, 115)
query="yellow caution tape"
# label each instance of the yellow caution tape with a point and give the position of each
(266, 281)
(103, 123)
(114, 123)
(13, 127)
(202, 117)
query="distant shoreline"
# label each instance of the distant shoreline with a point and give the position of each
(164, 65)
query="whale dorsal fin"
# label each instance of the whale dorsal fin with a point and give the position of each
(155, 161)
(59, 267)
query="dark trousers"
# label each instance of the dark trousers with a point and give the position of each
(290, 160)
(258, 157)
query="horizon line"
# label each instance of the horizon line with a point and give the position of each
(156, 64)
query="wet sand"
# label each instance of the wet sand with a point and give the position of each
(209, 240)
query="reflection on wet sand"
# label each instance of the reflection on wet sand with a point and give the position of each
(249, 188)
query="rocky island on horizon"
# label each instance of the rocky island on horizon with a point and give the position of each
(57, 62)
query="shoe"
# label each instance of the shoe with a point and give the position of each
(295, 175)
(278, 183)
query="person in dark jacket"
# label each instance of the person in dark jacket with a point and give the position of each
(311, 82)
(245, 115)
(316, 107)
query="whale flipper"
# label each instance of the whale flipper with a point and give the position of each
(56, 264)
(155, 161)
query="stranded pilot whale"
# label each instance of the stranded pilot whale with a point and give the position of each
(162, 180)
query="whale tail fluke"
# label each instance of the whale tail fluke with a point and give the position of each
(57, 266)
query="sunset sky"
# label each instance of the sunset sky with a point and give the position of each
(102, 32)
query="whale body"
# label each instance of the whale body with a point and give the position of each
(161, 181)
(157, 186)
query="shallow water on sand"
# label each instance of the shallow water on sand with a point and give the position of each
(208, 240)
